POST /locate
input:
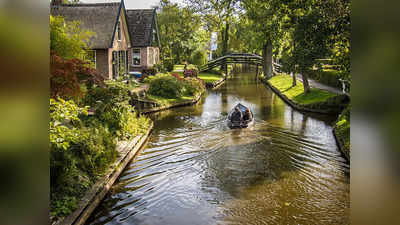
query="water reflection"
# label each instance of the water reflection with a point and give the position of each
(285, 169)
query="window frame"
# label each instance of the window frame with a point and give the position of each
(133, 57)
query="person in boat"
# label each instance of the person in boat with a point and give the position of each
(247, 115)
(237, 115)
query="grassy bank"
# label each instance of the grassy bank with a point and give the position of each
(161, 101)
(342, 130)
(206, 77)
(283, 83)
(167, 89)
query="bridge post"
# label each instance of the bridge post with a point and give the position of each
(226, 69)
(256, 71)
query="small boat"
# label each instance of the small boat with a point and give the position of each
(240, 117)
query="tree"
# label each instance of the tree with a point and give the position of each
(180, 31)
(68, 44)
(68, 39)
(218, 15)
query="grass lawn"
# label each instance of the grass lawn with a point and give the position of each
(207, 77)
(168, 101)
(283, 83)
(178, 67)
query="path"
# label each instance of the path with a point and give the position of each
(316, 84)
(141, 88)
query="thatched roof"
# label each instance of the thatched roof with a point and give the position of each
(100, 18)
(141, 23)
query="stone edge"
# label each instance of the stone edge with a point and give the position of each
(94, 195)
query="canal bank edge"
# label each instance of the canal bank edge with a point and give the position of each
(338, 139)
(93, 197)
(324, 108)
(340, 144)
(213, 85)
(183, 103)
(216, 84)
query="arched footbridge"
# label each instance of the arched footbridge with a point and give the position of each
(237, 58)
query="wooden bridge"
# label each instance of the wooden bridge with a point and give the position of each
(237, 58)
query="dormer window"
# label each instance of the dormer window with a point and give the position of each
(119, 31)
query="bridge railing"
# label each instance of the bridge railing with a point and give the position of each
(233, 58)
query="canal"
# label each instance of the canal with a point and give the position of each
(285, 169)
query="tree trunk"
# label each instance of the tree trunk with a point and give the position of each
(226, 39)
(305, 83)
(267, 59)
(294, 79)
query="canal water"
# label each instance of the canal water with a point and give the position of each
(285, 169)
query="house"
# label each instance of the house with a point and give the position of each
(145, 41)
(109, 47)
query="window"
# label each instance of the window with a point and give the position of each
(156, 56)
(121, 62)
(154, 36)
(136, 56)
(119, 31)
(91, 57)
(151, 56)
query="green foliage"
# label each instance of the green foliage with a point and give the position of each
(181, 32)
(327, 76)
(112, 109)
(67, 38)
(193, 86)
(78, 154)
(159, 67)
(342, 128)
(210, 77)
(199, 57)
(167, 86)
(82, 147)
(284, 84)
(168, 64)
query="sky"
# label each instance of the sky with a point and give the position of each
(134, 4)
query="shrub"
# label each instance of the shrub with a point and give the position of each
(150, 71)
(166, 86)
(77, 154)
(160, 68)
(191, 71)
(113, 109)
(67, 76)
(327, 76)
(177, 76)
(199, 57)
(193, 86)
(168, 64)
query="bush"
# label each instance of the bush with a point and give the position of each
(160, 68)
(113, 109)
(168, 64)
(190, 73)
(77, 154)
(177, 76)
(327, 76)
(150, 71)
(199, 57)
(342, 127)
(166, 86)
(193, 86)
